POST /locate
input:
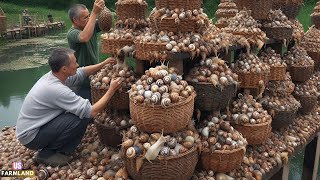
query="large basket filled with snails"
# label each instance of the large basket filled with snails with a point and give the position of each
(315, 56)
(157, 157)
(315, 16)
(131, 9)
(301, 66)
(307, 94)
(223, 147)
(252, 73)
(179, 4)
(259, 8)
(311, 43)
(109, 128)
(283, 110)
(250, 119)
(226, 9)
(277, 25)
(277, 65)
(100, 84)
(290, 8)
(161, 100)
(214, 83)
(150, 50)
(282, 88)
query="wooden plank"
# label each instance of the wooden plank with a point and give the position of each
(316, 160)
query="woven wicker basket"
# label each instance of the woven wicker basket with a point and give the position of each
(109, 136)
(112, 46)
(259, 8)
(282, 119)
(179, 167)
(251, 80)
(3, 21)
(277, 73)
(180, 4)
(279, 32)
(210, 98)
(301, 73)
(225, 14)
(307, 103)
(168, 24)
(155, 118)
(221, 25)
(119, 101)
(315, 56)
(105, 20)
(290, 9)
(222, 160)
(145, 51)
(255, 133)
(316, 20)
(131, 9)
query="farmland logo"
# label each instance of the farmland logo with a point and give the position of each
(17, 171)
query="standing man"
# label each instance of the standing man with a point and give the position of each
(53, 119)
(82, 38)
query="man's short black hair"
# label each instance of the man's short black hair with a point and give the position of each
(59, 57)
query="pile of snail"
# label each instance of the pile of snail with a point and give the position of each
(218, 134)
(213, 70)
(91, 159)
(102, 79)
(227, 9)
(120, 120)
(246, 110)
(138, 144)
(270, 57)
(315, 80)
(311, 39)
(243, 22)
(209, 175)
(117, 34)
(306, 89)
(276, 18)
(251, 63)
(160, 86)
(132, 23)
(297, 56)
(281, 88)
(298, 30)
(288, 103)
(142, 2)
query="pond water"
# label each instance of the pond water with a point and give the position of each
(22, 63)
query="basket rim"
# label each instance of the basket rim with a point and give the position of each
(224, 151)
(110, 128)
(130, 3)
(255, 125)
(308, 65)
(193, 95)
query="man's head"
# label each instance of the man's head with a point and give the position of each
(62, 60)
(79, 15)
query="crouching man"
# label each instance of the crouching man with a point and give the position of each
(53, 119)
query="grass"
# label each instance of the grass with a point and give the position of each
(304, 15)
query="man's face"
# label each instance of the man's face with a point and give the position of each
(71, 69)
(82, 21)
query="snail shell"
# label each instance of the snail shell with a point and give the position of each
(159, 82)
(165, 102)
(165, 151)
(133, 129)
(139, 99)
(172, 142)
(174, 97)
(167, 79)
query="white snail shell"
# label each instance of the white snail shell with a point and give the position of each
(165, 102)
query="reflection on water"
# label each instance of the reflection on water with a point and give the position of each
(14, 87)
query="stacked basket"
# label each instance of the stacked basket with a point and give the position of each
(315, 16)
(311, 43)
(290, 8)
(130, 23)
(226, 10)
(259, 8)
(161, 101)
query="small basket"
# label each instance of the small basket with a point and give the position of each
(282, 119)
(315, 56)
(316, 20)
(180, 4)
(277, 73)
(259, 8)
(105, 20)
(155, 118)
(255, 133)
(119, 101)
(132, 9)
(307, 103)
(109, 136)
(301, 73)
(222, 160)
(279, 32)
(251, 79)
(181, 167)
(210, 98)
(149, 50)
(168, 24)
(112, 46)
(290, 9)
(3, 21)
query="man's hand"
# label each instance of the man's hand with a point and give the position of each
(115, 84)
(98, 6)
(111, 60)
